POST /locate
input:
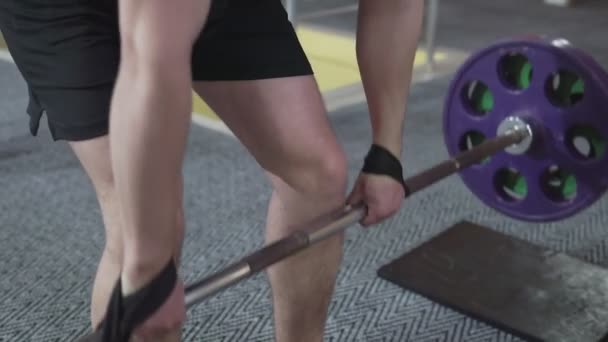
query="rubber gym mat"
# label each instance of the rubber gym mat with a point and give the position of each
(527, 290)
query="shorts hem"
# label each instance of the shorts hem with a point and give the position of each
(78, 133)
(72, 133)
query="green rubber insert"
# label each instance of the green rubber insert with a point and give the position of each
(513, 183)
(472, 139)
(578, 87)
(561, 184)
(525, 76)
(593, 138)
(482, 99)
(570, 89)
(517, 184)
(516, 71)
(569, 187)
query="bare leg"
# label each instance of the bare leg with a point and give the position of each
(283, 123)
(150, 116)
(94, 156)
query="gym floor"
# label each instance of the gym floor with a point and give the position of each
(51, 229)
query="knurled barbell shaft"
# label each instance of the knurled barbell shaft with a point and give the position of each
(333, 223)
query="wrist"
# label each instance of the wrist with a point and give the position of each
(387, 132)
(392, 145)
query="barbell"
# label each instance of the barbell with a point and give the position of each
(525, 123)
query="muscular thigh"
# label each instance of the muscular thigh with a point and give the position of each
(281, 121)
(249, 66)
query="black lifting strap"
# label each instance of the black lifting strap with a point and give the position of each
(381, 161)
(124, 314)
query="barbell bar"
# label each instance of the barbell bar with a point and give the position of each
(537, 97)
(534, 94)
(336, 222)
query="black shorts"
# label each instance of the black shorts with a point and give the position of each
(68, 53)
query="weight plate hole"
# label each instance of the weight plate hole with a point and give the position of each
(471, 139)
(558, 185)
(478, 98)
(564, 88)
(586, 143)
(511, 184)
(515, 71)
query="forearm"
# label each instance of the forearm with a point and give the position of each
(387, 38)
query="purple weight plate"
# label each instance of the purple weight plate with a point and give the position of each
(549, 121)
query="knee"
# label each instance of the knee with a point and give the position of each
(322, 176)
(330, 175)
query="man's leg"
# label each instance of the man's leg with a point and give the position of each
(283, 124)
(149, 123)
(94, 156)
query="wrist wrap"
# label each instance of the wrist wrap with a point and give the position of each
(124, 314)
(382, 162)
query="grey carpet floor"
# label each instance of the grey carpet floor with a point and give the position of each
(51, 234)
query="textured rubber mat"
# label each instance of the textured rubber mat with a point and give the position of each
(530, 291)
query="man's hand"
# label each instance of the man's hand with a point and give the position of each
(165, 324)
(382, 195)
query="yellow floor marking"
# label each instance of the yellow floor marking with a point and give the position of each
(334, 59)
(4, 54)
(201, 108)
